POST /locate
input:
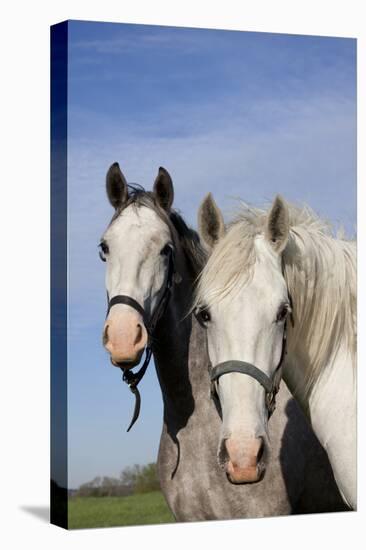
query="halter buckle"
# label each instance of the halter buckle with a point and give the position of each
(271, 401)
(129, 377)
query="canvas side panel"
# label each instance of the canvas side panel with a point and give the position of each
(59, 36)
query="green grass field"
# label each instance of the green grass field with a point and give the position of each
(140, 509)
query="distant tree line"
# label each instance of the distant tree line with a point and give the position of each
(133, 479)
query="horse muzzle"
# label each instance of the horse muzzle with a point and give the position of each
(125, 338)
(244, 460)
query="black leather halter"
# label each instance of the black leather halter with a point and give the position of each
(133, 379)
(271, 384)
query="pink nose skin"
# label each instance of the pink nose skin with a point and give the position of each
(244, 464)
(125, 338)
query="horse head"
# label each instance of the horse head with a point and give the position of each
(243, 302)
(138, 249)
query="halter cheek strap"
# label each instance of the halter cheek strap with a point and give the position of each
(133, 379)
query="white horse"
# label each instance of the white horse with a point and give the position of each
(267, 269)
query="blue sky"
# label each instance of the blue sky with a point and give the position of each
(240, 114)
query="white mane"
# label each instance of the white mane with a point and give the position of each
(320, 271)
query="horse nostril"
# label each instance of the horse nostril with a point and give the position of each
(138, 335)
(105, 336)
(223, 455)
(260, 450)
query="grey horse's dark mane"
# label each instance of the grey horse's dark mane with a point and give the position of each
(188, 238)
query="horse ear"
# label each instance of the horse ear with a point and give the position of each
(116, 186)
(211, 226)
(163, 189)
(278, 225)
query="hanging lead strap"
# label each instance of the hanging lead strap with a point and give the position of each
(132, 380)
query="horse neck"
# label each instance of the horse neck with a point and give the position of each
(324, 310)
(180, 354)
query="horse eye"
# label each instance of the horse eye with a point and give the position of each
(203, 316)
(166, 250)
(104, 249)
(282, 313)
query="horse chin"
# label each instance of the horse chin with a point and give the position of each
(241, 476)
(127, 364)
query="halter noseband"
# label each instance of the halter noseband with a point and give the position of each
(133, 379)
(271, 384)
